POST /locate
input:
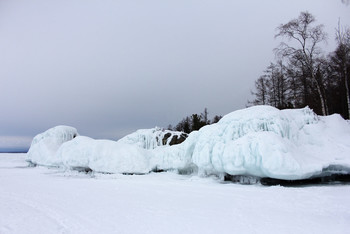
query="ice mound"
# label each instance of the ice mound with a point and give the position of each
(137, 153)
(256, 142)
(45, 145)
(103, 156)
(154, 137)
(263, 141)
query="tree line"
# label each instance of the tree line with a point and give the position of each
(194, 122)
(302, 75)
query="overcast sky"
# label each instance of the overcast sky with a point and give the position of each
(110, 67)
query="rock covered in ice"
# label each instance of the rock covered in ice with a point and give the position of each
(170, 158)
(103, 156)
(45, 145)
(263, 141)
(137, 153)
(162, 146)
(154, 137)
(259, 141)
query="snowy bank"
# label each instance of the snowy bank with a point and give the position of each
(259, 141)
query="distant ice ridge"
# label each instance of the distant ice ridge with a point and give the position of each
(259, 141)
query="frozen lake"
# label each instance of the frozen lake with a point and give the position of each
(50, 200)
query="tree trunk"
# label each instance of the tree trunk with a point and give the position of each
(347, 90)
(323, 103)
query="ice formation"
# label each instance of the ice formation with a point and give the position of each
(265, 142)
(154, 137)
(137, 153)
(45, 145)
(103, 156)
(259, 141)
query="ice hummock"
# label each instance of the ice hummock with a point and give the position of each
(103, 156)
(154, 138)
(263, 141)
(45, 145)
(259, 141)
(138, 153)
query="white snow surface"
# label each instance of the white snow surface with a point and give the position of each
(258, 141)
(45, 200)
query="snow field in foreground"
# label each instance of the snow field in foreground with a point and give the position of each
(42, 200)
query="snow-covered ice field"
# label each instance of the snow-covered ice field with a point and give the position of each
(50, 200)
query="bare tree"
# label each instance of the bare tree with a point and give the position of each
(341, 58)
(304, 47)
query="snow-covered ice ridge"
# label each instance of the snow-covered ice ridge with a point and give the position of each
(154, 137)
(259, 141)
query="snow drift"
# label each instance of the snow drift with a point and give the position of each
(259, 141)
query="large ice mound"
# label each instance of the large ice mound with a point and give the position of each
(263, 141)
(259, 141)
(138, 153)
(45, 145)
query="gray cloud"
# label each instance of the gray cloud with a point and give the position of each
(111, 67)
